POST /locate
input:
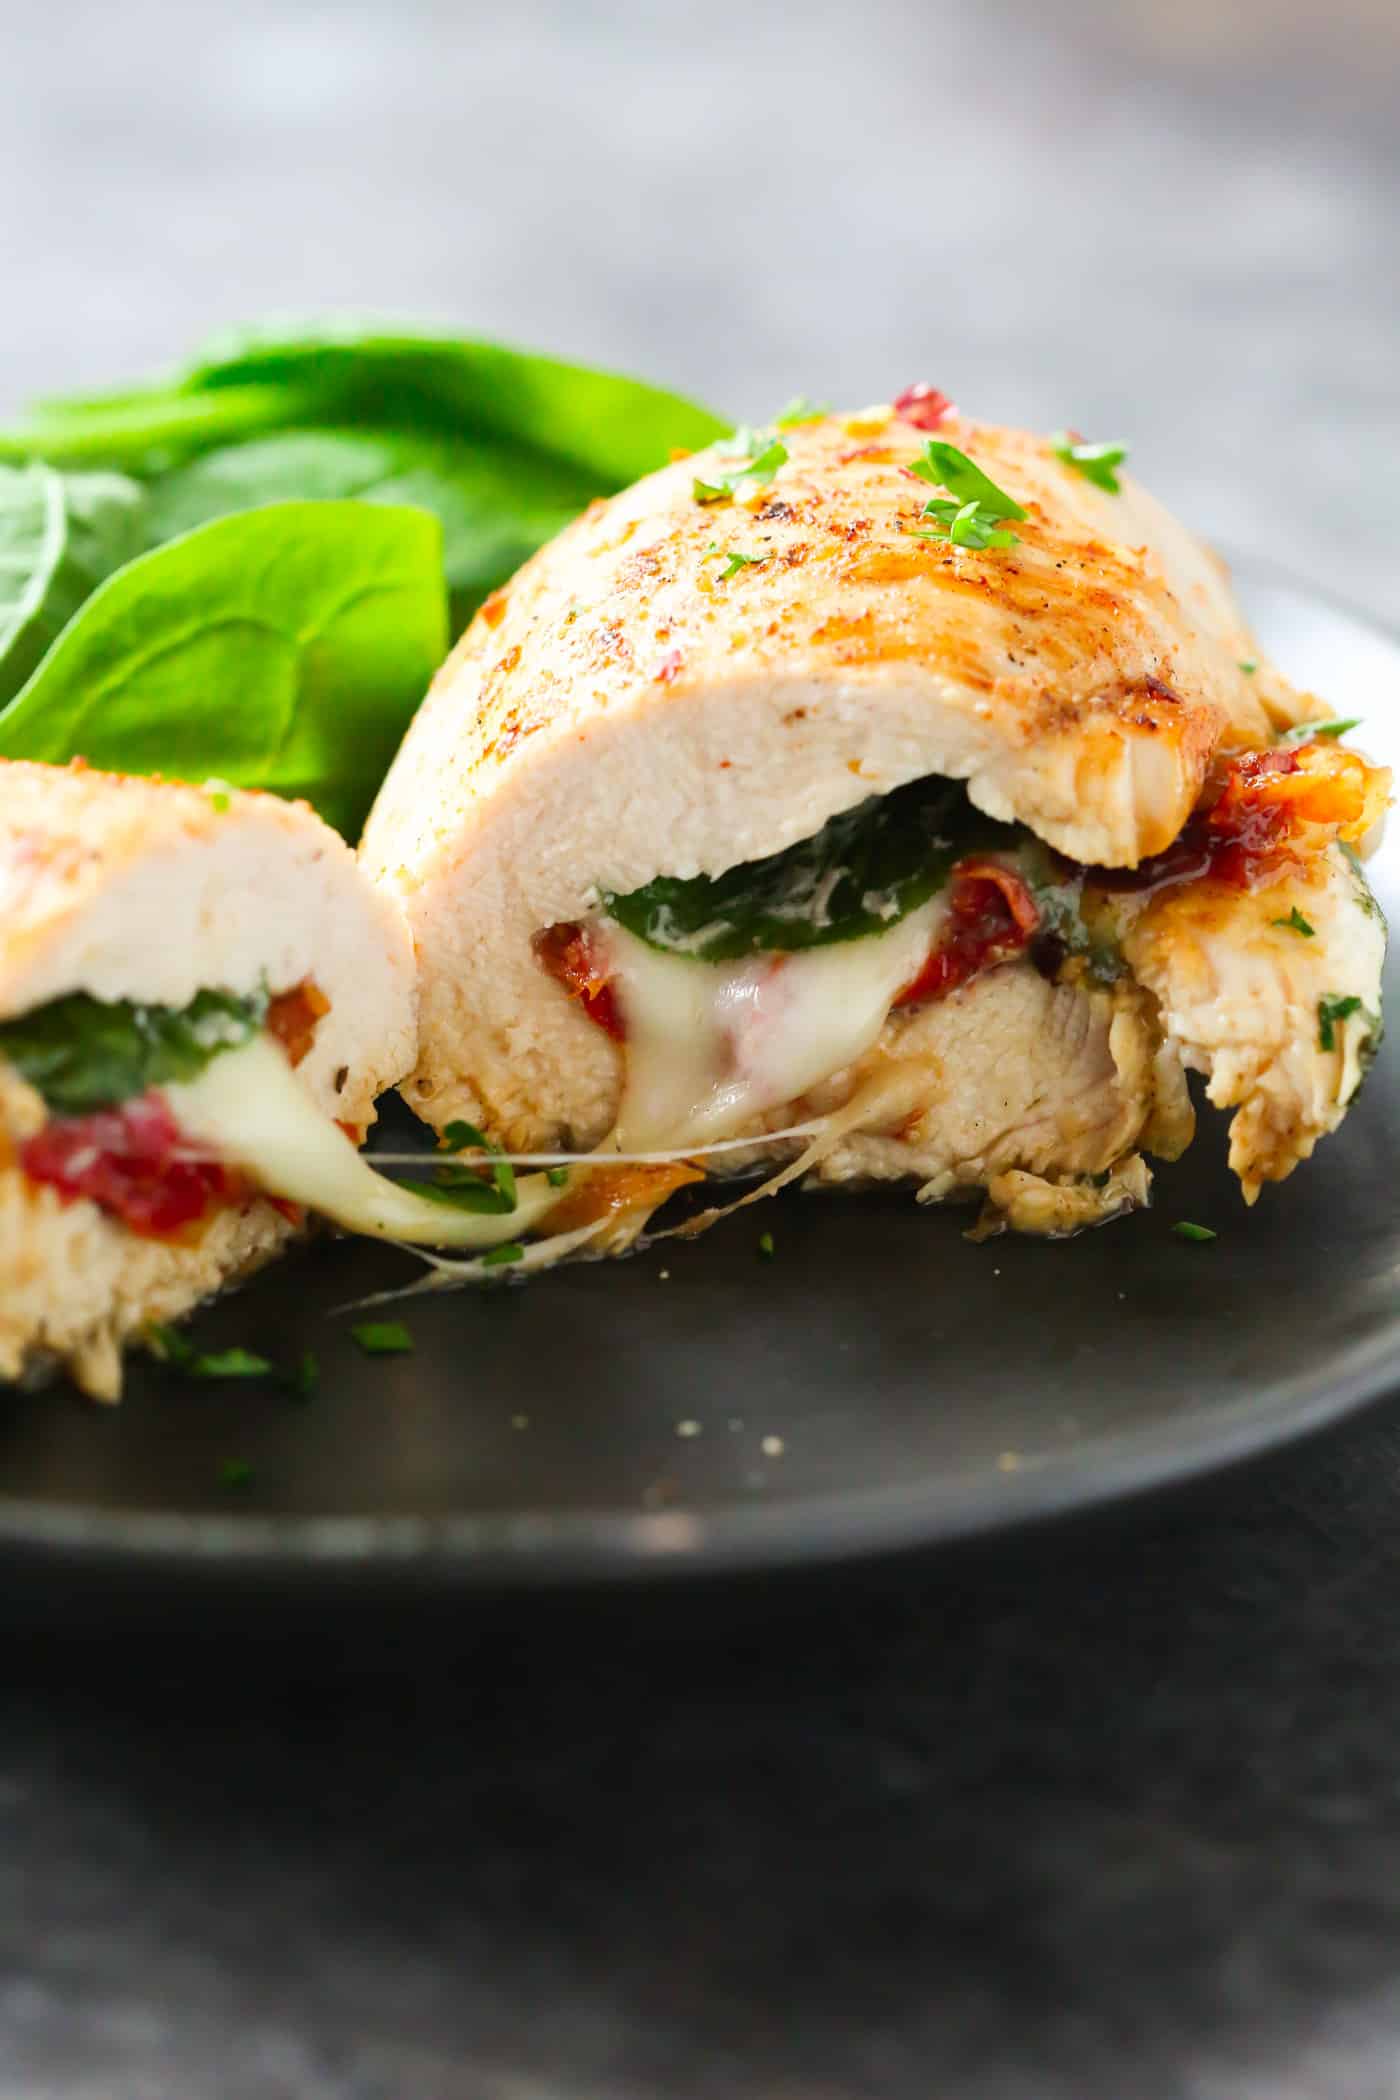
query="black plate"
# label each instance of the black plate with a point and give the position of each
(880, 1382)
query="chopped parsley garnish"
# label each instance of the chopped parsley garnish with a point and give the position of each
(232, 1363)
(1307, 732)
(1248, 665)
(766, 1249)
(487, 1186)
(557, 1177)
(169, 1346)
(733, 561)
(965, 525)
(1361, 888)
(969, 514)
(861, 873)
(760, 458)
(172, 1348)
(235, 1473)
(83, 1054)
(383, 1338)
(501, 1257)
(1296, 923)
(801, 410)
(1097, 463)
(1185, 1230)
(1329, 1012)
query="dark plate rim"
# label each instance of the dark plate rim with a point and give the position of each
(544, 1547)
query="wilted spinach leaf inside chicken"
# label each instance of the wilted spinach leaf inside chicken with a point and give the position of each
(860, 874)
(83, 1054)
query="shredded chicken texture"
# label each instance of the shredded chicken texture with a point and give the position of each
(1013, 1072)
(1242, 990)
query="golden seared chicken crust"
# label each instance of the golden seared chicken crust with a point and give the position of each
(1080, 680)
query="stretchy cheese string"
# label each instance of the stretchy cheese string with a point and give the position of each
(446, 1274)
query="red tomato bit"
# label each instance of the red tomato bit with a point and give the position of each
(923, 406)
(292, 1018)
(991, 917)
(125, 1160)
(1236, 841)
(568, 954)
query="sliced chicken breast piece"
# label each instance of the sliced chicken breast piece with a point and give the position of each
(725, 662)
(153, 891)
(636, 701)
(1061, 1082)
(116, 891)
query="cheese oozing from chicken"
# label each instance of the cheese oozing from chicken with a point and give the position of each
(711, 1046)
(249, 1108)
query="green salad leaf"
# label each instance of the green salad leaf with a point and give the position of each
(281, 648)
(496, 503)
(60, 536)
(861, 873)
(290, 652)
(83, 1054)
(503, 446)
(144, 430)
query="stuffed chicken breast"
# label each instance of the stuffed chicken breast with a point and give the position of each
(200, 998)
(902, 796)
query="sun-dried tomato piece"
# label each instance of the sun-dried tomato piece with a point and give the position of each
(570, 956)
(292, 1018)
(923, 406)
(992, 916)
(128, 1161)
(1275, 808)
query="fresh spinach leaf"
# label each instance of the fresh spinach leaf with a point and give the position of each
(613, 428)
(282, 648)
(501, 445)
(496, 504)
(84, 1054)
(60, 535)
(861, 873)
(145, 429)
(372, 374)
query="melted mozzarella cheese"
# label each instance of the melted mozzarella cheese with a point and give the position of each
(710, 1046)
(249, 1108)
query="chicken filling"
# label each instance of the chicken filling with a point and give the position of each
(162, 1118)
(103, 1070)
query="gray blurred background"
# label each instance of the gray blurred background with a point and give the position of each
(1173, 221)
